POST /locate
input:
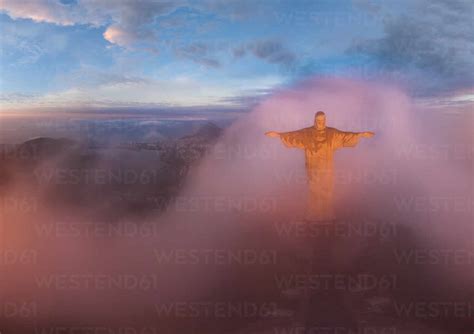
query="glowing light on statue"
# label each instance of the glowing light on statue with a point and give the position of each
(319, 143)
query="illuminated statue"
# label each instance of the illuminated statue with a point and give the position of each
(319, 143)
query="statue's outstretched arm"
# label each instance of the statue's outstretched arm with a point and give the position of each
(293, 139)
(367, 134)
(272, 134)
(350, 139)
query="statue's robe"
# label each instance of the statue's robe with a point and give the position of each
(319, 147)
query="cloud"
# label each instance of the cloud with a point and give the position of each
(40, 11)
(176, 92)
(407, 42)
(24, 44)
(239, 51)
(252, 99)
(272, 51)
(234, 9)
(90, 76)
(114, 90)
(432, 44)
(199, 53)
(126, 37)
(126, 22)
(132, 20)
(16, 98)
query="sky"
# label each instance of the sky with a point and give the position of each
(72, 54)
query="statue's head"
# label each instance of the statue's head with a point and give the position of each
(320, 120)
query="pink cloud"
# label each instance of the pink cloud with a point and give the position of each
(39, 11)
(126, 22)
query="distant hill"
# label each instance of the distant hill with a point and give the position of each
(75, 174)
(42, 147)
(207, 132)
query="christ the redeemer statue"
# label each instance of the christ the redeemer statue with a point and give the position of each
(319, 143)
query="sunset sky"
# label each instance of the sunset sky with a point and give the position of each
(185, 53)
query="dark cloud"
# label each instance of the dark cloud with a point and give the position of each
(409, 43)
(432, 44)
(199, 53)
(271, 51)
(239, 51)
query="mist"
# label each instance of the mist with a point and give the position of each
(222, 237)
